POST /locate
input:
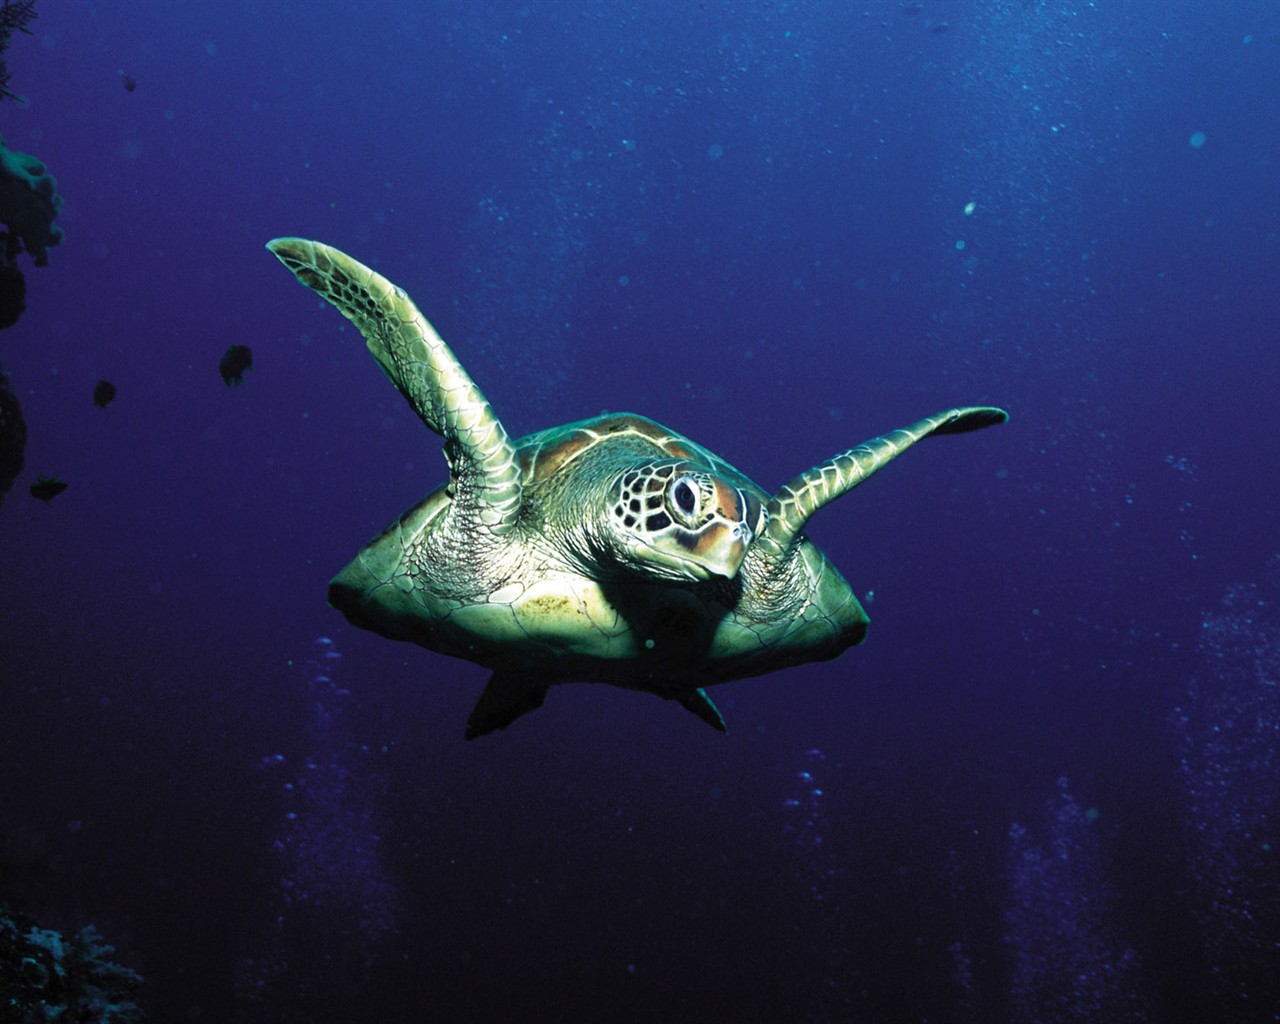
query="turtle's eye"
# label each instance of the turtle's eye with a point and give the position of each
(684, 499)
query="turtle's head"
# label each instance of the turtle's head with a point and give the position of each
(674, 520)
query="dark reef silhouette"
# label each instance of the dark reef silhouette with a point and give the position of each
(29, 199)
(48, 976)
(13, 435)
(29, 202)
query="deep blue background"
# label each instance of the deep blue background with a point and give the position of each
(746, 220)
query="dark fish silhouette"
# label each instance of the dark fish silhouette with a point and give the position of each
(128, 82)
(47, 488)
(234, 363)
(103, 393)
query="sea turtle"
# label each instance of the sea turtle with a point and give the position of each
(610, 550)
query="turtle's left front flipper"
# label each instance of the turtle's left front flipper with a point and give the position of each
(793, 504)
(423, 369)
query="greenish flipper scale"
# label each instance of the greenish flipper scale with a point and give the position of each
(423, 369)
(610, 550)
(800, 498)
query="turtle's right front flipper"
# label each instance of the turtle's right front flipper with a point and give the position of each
(793, 504)
(424, 370)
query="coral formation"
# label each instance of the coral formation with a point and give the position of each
(14, 16)
(28, 204)
(29, 200)
(45, 976)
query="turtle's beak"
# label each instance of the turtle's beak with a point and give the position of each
(720, 549)
(722, 544)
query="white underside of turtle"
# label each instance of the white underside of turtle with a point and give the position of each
(610, 550)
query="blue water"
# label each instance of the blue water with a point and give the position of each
(1047, 789)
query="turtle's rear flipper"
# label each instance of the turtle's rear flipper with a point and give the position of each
(505, 699)
(701, 705)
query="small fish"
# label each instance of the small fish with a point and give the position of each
(128, 81)
(104, 391)
(46, 488)
(237, 360)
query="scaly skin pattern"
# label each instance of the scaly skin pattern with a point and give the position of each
(486, 479)
(610, 550)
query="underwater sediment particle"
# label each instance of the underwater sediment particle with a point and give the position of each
(1226, 723)
(1069, 959)
(334, 884)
